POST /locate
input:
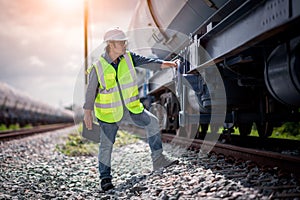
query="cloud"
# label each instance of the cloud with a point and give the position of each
(36, 62)
(41, 43)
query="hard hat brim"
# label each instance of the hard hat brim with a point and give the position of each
(123, 39)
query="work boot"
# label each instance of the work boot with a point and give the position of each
(106, 184)
(164, 162)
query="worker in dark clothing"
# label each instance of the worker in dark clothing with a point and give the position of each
(112, 94)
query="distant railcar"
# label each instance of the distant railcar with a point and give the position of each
(18, 108)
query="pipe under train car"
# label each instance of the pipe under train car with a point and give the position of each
(251, 46)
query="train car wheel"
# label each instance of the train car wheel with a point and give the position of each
(264, 129)
(245, 129)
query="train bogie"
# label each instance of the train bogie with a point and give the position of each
(240, 63)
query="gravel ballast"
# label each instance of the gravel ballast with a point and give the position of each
(31, 168)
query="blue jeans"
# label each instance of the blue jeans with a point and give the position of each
(108, 134)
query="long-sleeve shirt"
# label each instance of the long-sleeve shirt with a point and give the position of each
(93, 85)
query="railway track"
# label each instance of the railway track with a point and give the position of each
(11, 134)
(243, 163)
(268, 160)
(268, 153)
(257, 165)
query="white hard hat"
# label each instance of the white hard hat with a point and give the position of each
(115, 34)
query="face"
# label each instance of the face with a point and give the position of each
(118, 47)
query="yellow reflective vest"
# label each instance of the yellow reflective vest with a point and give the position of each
(108, 103)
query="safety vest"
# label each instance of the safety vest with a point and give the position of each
(108, 103)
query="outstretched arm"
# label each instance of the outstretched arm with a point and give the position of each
(152, 63)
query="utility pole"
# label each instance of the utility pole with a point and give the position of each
(86, 14)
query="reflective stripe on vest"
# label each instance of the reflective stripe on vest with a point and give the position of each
(108, 103)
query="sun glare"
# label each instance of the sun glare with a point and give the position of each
(67, 4)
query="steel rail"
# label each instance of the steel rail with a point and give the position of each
(287, 163)
(5, 135)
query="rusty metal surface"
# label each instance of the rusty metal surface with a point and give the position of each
(264, 159)
(6, 135)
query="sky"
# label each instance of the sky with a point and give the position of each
(42, 41)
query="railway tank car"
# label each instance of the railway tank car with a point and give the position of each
(240, 61)
(19, 108)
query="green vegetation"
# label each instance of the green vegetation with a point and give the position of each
(289, 130)
(3, 127)
(76, 145)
